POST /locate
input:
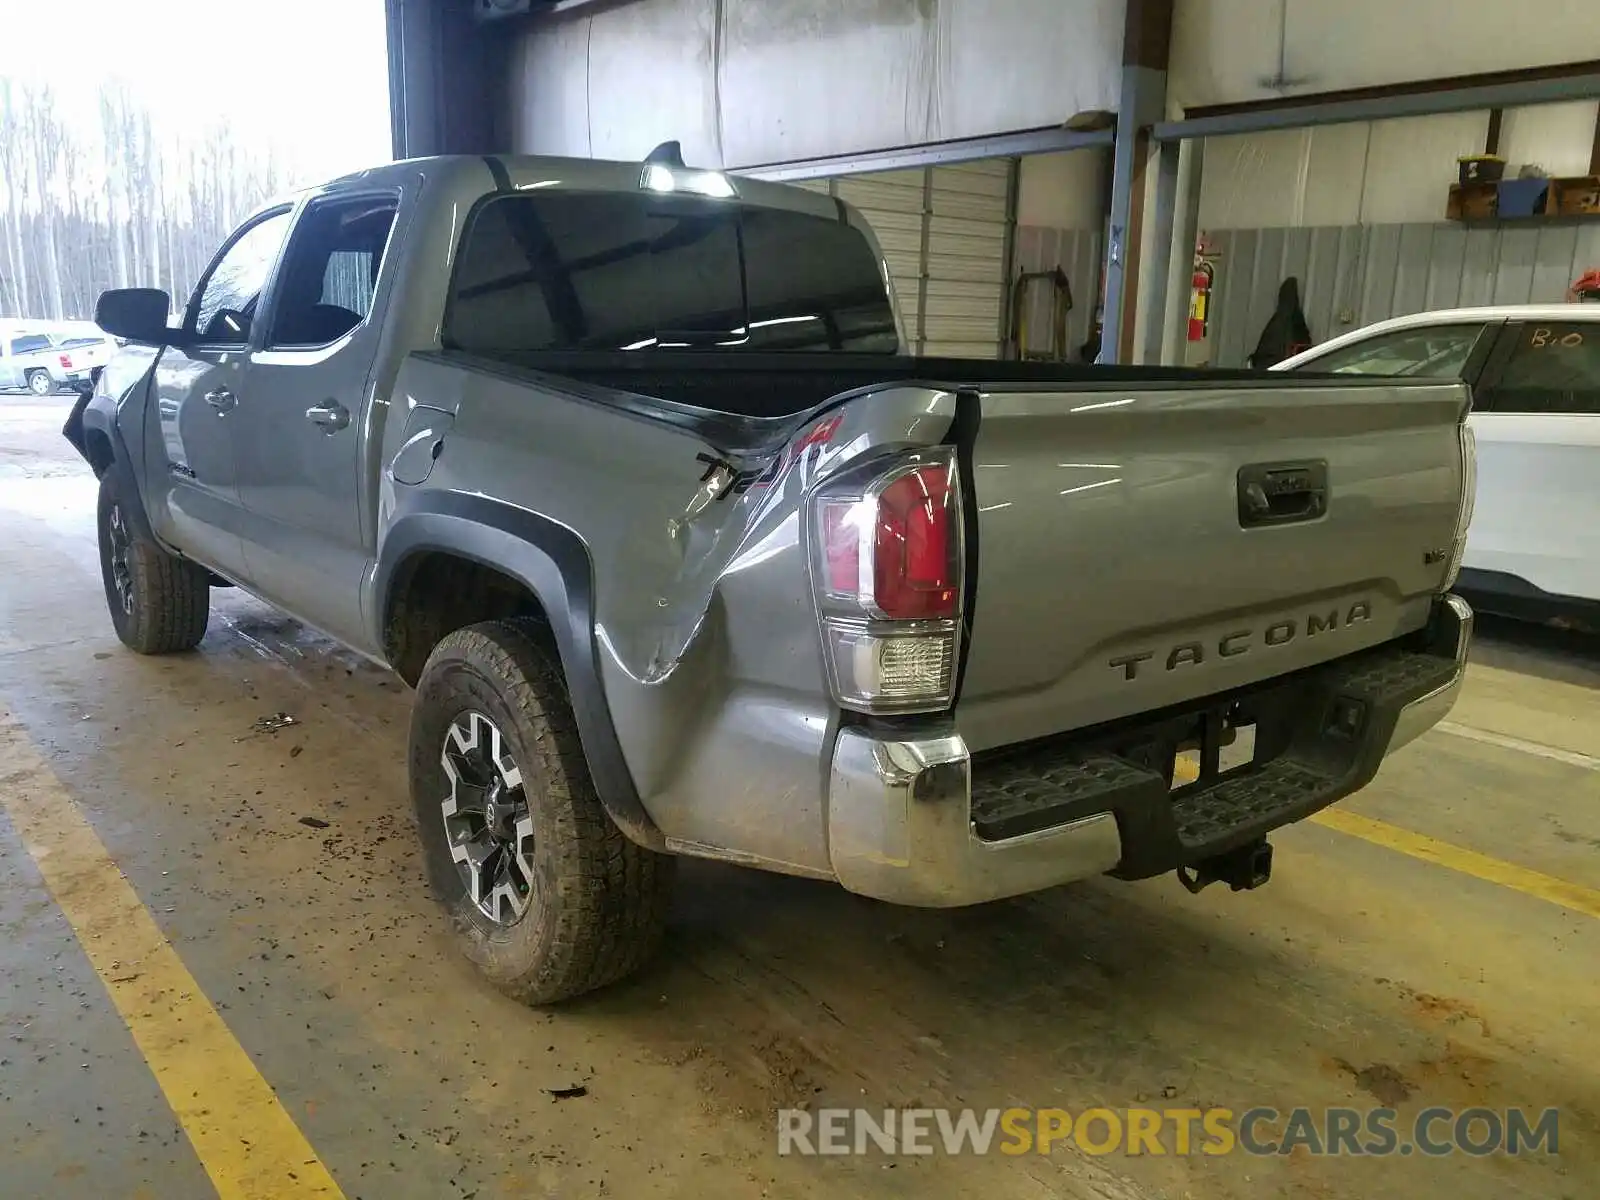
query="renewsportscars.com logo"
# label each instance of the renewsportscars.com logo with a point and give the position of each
(1261, 1131)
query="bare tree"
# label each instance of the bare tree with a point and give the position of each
(80, 213)
(48, 139)
(13, 158)
(112, 129)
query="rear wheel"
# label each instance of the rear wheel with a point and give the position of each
(159, 603)
(40, 383)
(545, 894)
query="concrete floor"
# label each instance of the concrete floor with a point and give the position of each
(1359, 972)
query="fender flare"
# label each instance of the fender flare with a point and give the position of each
(88, 417)
(552, 562)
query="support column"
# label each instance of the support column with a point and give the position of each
(409, 24)
(1159, 236)
(1185, 233)
(1146, 47)
(446, 78)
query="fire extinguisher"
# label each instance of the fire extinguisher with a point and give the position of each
(1200, 300)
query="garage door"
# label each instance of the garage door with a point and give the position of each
(945, 233)
(968, 222)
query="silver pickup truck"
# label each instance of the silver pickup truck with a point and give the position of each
(624, 468)
(33, 357)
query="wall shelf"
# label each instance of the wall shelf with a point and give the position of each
(1565, 198)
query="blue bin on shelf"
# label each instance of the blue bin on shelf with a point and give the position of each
(1521, 197)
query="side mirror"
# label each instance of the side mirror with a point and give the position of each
(135, 314)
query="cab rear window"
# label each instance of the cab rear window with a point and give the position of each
(564, 271)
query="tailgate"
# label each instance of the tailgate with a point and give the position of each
(1137, 550)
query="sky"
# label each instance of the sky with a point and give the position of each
(307, 77)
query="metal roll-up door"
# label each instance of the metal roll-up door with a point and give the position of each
(969, 222)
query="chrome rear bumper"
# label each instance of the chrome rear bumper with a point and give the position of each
(902, 827)
(1453, 627)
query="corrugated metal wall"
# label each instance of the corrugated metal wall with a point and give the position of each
(1078, 253)
(1353, 275)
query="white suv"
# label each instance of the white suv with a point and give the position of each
(1534, 545)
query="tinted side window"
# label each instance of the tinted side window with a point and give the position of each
(1434, 350)
(1552, 368)
(326, 288)
(30, 344)
(226, 305)
(625, 271)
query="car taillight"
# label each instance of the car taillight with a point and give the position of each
(66, 362)
(1469, 493)
(887, 565)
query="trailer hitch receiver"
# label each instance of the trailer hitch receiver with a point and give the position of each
(1243, 868)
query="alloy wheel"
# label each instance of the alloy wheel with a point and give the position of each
(121, 573)
(486, 820)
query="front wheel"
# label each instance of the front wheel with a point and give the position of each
(159, 603)
(40, 383)
(546, 895)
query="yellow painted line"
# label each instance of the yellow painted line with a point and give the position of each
(1575, 896)
(243, 1137)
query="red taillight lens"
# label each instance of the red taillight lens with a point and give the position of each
(916, 564)
(887, 565)
(841, 546)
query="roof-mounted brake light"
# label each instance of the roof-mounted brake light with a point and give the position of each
(714, 184)
(664, 171)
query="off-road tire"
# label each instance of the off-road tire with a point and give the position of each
(168, 598)
(599, 902)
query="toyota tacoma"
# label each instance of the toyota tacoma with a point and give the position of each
(625, 468)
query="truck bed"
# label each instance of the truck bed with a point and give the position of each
(774, 387)
(1117, 568)
(1113, 569)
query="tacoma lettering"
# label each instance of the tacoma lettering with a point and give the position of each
(1242, 641)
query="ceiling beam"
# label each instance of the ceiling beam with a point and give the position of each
(1001, 145)
(1462, 93)
(541, 11)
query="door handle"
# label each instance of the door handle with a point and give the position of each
(222, 400)
(330, 414)
(1282, 493)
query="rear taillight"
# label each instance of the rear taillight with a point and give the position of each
(66, 362)
(887, 566)
(1469, 493)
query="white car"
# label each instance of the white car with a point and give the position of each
(1534, 545)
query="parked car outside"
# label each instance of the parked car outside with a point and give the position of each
(1534, 545)
(89, 349)
(33, 358)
